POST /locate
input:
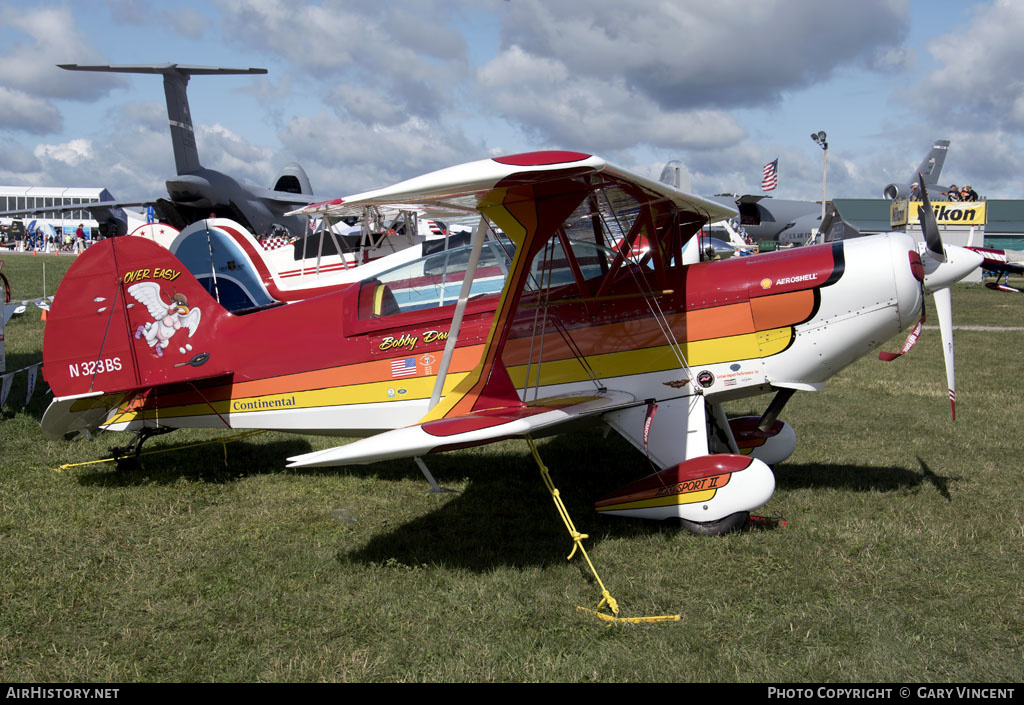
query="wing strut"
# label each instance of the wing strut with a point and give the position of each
(460, 309)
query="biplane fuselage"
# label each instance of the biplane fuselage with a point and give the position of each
(331, 364)
(555, 329)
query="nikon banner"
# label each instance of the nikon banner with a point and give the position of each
(946, 213)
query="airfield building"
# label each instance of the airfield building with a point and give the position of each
(29, 198)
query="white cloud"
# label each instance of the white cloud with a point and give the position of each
(403, 52)
(17, 163)
(25, 113)
(981, 77)
(228, 152)
(366, 105)
(350, 156)
(592, 113)
(692, 53)
(50, 36)
(186, 21)
(74, 153)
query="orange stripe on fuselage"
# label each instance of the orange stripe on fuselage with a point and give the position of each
(764, 313)
(463, 360)
(782, 309)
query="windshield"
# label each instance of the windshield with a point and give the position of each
(436, 280)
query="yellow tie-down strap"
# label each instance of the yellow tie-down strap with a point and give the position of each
(606, 598)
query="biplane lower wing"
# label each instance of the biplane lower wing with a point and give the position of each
(467, 430)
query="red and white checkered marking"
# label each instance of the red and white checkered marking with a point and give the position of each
(276, 241)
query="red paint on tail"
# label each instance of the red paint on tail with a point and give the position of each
(128, 315)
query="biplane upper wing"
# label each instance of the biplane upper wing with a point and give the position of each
(529, 197)
(463, 188)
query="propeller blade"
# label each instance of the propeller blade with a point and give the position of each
(929, 227)
(944, 308)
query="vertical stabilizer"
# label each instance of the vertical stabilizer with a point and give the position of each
(179, 118)
(127, 316)
(931, 166)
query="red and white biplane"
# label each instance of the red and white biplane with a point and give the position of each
(537, 327)
(1001, 263)
(243, 272)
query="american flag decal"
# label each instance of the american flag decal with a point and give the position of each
(404, 367)
(770, 176)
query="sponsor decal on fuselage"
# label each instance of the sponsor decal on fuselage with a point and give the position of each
(797, 279)
(768, 283)
(428, 362)
(263, 403)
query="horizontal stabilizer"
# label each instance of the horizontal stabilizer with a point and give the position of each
(185, 69)
(477, 428)
(73, 414)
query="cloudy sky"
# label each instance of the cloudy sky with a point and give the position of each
(363, 93)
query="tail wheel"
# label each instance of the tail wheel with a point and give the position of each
(725, 525)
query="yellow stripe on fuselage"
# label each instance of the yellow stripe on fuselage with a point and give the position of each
(369, 393)
(631, 362)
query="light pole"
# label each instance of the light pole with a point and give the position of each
(819, 139)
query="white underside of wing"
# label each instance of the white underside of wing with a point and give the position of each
(418, 440)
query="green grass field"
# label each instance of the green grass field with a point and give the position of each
(901, 561)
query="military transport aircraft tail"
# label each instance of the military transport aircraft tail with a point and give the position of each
(930, 168)
(197, 191)
(179, 117)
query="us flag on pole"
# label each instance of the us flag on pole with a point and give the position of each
(770, 176)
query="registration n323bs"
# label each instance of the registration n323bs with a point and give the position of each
(94, 367)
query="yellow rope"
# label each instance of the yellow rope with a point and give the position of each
(223, 441)
(606, 598)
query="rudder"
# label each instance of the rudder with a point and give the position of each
(128, 315)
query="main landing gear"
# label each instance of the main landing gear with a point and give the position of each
(725, 525)
(126, 457)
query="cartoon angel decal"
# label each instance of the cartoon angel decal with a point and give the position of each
(168, 317)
